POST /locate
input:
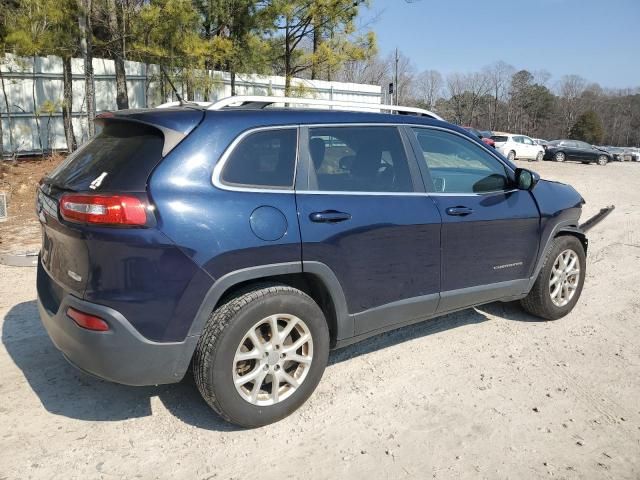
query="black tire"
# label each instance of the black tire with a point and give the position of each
(538, 302)
(539, 157)
(222, 334)
(602, 160)
(559, 157)
(511, 155)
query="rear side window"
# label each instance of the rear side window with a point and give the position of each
(499, 138)
(121, 157)
(263, 159)
(358, 159)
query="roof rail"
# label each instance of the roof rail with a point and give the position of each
(178, 104)
(257, 101)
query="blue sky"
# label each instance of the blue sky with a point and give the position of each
(597, 39)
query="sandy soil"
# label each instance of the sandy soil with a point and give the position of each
(486, 393)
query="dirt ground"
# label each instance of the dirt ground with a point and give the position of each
(486, 393)
(19, 180)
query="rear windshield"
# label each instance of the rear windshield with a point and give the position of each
(499, 138)
(120, 157)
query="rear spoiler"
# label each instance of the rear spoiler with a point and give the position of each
(174, 123)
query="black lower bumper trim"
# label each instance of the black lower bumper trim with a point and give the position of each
(121, 354)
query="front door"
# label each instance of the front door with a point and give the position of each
(490, 230)
(362, 214)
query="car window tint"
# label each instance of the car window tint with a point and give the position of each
(263, 159)
(358, 159)
(527, 140)
(457, 165)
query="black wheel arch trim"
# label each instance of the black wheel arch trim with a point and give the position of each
(568, 227)
(344, 325)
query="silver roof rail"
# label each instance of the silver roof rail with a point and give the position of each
(257, 101)
(177, 104)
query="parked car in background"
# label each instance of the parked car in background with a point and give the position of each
(635, 154)
(617, 153)
(518, 147)
(575, 150)
(540, 141)
(482, 135)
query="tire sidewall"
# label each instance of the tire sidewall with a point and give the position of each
(561, 244)
(220, 375)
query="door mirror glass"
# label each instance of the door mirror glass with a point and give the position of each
(526, 179)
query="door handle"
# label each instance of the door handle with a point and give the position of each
(459, 211)
(329, 216)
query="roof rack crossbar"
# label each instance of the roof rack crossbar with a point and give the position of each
(257, 101)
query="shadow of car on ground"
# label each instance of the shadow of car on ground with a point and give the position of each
(64, 390)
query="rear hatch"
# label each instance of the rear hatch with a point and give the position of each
(116, 162)
(499, 140)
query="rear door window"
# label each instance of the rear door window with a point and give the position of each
(263, 159)
(358, 159)
(121, 157)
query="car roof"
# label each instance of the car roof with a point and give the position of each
(257, 117)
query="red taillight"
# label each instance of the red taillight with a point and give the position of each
(125, 210)
(84, 320)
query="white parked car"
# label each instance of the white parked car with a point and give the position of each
(518, 147)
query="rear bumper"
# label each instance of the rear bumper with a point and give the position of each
(121, 354)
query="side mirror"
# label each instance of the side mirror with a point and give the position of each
(526, 179)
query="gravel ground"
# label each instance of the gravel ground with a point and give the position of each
(486, 393)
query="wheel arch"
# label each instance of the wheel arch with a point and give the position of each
(313, 278)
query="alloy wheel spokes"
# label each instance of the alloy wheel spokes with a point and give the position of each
(273, 359)
(564, 278)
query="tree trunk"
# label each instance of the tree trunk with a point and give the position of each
(36, 115)
(316, 44)
(233, 83)
(117, 40)
(9, 120)
(86, 45)
(67, 104)
(287, 61)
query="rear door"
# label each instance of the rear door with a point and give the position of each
(531, 147)
(364, 214)
(489, 229)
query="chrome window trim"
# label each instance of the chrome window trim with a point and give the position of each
(217, 170)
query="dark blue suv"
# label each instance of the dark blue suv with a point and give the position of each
(247, 242)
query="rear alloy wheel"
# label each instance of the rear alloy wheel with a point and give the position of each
(603, 160)
(539, 157)
(511, 156)
(559, 157)
(559, 284)
(261, 354)
(273, 359)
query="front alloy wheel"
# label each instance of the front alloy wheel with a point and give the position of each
(559, 283)
(560, 157)
(603, 160)
(512, 155)
(565, 278)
